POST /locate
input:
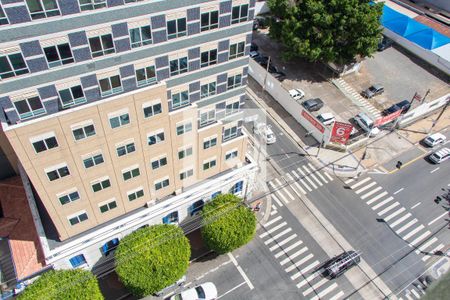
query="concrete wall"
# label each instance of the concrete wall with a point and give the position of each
(423, 110)
(261, 8)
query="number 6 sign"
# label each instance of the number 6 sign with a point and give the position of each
(341, 132)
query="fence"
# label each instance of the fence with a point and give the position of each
(423, 110)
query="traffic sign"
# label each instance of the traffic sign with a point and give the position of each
(341, 132)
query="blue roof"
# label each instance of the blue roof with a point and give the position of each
(424, 36)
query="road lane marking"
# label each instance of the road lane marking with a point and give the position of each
(285, 190)
(272, 221)
(420, 238)
(400, 210)
(349, 180)
(398, 221)
(299, 263)
(307, 280)
(329, 177)
(415, 293)
(438, 248)
(273, 212)
(291, 257)
(287, 230)
(380, 204)
(297, 275)
(376, 198)
(360, 183)
(432, 171)
(338, 296)
(238, 267)
(307, 178)
(395, 193)
(285, 251)
(315, 286)
(365, 187)
(414, 206)
(426, 245)
(435, 220)
(324, 292)
(229, 291)
(302, 181)
(283, 242)
(312, 175)
(262, 235)
(371, 193)
(277, 200)
(404, 227)
(408, 163)
(411, 233)
(297, 185)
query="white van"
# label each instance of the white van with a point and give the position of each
(440, 155)
(265, 131)
(366, 123)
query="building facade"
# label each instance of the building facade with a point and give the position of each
(120, 110)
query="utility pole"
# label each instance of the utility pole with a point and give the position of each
(440, 114)
(265, 75)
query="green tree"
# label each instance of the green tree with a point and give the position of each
(328, 31)
(63, 285)
(152, 258)
(227, 224)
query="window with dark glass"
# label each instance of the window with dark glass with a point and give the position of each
(236, 50)
(101, 45)
(12, 65)
(3, 18)
(58, 55)
(234, 81)
(230, 133)
(75, 220)
(101, 185)
(152, 110)
(108, 206)
(125, 149)
(207, 117)
(156, 138)
(72, 96)
(180, 99)
(208, 89)
(119, 121)
(232, 108)
(208, 58)
(162, 184)
(158, 163)
(178, 66)
(140, 36)
(93, 161)
(239, 14)
(176, 28)
(58, 173)
(146, 76)
(45, 144)
(42, 8)
(83, 132)
(70, 197)
(136, 194)
(186, 174)
(91, 4)
(30, 107)
(110, 85)
(209, 20)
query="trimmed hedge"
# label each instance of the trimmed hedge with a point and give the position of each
(152, 258)
(227, 224)
(63, 284)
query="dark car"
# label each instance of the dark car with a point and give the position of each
(385, 43)
(313, 104)
(279, 75)
(373, 90)
(272, 68)
(336, 266)
(253, 47)
(262, 60)
(404, 106)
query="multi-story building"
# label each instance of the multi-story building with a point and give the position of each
(122, 113)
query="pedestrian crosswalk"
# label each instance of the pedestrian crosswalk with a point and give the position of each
(296, 259)
(396, 216)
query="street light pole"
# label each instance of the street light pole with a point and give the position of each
(440, 114)
(265, 75)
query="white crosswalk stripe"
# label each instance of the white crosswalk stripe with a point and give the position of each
(413, 232)
(296, 184)
(305, 270)
(307, 178)
(299, 263)
(302, 181)
(371, 193)
(395, 213)
(438, 248)
(274, 220)
(413, 291)
(338, 296)
(315, 286)
(420, 238)
(273, 212)
(426, 245)
(285, 190)
(398, 221)
(262, 235)
(318, 173)
(277, 200)
(360, 183)
(379, 196)
(349, 180)
(328, 176)
(293, 256)
(287, 230)
(310, 173)
(406, 226)
(284, 251)
(325, 291)
(307, 280)
(359, 191)
(377, 206)
(283, 242)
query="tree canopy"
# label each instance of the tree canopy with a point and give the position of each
(328, 31)
(227, 224)
(64, 285)
(152, 258)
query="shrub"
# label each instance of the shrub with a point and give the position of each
(228, 224)
(152, 258)
(64, 284)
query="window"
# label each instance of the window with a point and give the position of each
(110, 85)
(171, 218)
(30, 107)
(152, 109)
(161, 184)
(181, 129)
(3, 18)
(140, 36)
(196, 207)
(93, 160)
(146, 76)
(232, 108)
(207, 90)
(118, 121)
(180, 99)
(43, 8)
(234, 81)
(44, 144)
(237, 187)
(57, 173)
(12, 65)
(239, 14)
(127, 175)
(135, 194)
(78, 218)
(230, 133)
(101, 45)
(131, 1)
(91, 4)
(184, 153)
(207, 117)
(107, 206)
(178, 66)
(83, 132)
(101, 185)
(216, 194)
(176, 28)
(210, 142)
(209, 20)
(110, 246)
(69, 197)
(209, 164)
(236, 50)
(208, 58)
(77, 261)
(58, 55)
(186, 174)
(72, 96)
(231, 155)
(155, 138)
(125, 149)
(158, 163)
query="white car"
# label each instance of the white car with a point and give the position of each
(297, 94)
(326, 118)
(265, 131)
(366, 124)
(435, 139)
(205, 291)
(440, 155)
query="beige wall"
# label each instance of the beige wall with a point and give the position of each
(70, 151)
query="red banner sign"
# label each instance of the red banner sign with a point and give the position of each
(388, 118)
(313, 121)
(341, 132)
